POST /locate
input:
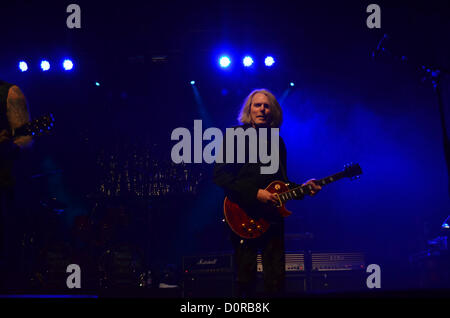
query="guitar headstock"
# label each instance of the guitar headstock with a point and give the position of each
(36, 127)
(352, 171)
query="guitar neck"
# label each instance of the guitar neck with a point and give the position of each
(331, 179)
(300, 191)
(37, 127)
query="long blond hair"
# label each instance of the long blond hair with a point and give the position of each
(275, 108)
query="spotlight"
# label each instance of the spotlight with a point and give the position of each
(45, 65)
(192, 82)
(292, 84)
(224, 61)
(445, 225)
(67, 65)
(23, 66)
(247, 61)
(97, 84)
(269, 61)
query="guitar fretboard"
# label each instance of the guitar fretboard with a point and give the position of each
(301, 191)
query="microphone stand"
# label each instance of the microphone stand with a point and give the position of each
(433, 75)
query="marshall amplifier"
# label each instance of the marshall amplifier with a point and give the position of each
(208, 275)
(215, 263)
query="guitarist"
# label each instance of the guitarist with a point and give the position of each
(13, 114)
(246, 185)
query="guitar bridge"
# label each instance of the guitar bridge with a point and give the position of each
(279, 201)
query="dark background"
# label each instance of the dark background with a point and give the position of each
(345, 107)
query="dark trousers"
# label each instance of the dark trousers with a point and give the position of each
(9, 240)
(271, 245)
(6, 207)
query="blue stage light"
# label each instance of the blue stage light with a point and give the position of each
(192, 82)
(67, 65)
(269, 61)
(97, 84)
(224, 61)
(45, 65)
(247, 61)
(23, 66)
(292, 84)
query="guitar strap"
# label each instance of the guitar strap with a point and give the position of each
(283, 172)
(283, 168)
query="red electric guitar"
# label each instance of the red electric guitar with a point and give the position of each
(250, 228)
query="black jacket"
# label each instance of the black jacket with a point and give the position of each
(6, 160)
(241, 181)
